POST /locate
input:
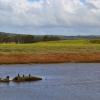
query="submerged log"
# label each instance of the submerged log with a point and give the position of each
(26, 78)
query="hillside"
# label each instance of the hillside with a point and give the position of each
(60, 36)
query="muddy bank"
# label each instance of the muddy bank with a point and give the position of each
(49, 58)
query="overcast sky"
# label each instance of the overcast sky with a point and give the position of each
(50, 17)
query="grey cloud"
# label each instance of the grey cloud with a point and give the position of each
(54, 17)
(5, 7)
(90, 5)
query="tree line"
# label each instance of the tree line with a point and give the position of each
(26, 38)
(95, 41)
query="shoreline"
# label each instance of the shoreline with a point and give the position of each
(49, 58)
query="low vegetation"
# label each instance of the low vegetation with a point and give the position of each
(50, 52)
(96, 41)
(63, 46)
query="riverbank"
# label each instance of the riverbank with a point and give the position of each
(50, 58)
(64, 51)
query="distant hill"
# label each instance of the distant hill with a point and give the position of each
(4, 33)
(79, 37)
(60, 36)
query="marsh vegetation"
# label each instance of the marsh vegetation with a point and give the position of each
(50, 52)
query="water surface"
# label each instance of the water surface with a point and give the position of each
(60, 82)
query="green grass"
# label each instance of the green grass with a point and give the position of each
(63, 46)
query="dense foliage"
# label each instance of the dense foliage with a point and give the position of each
(25, 39)
(95, 41)
(46, 38)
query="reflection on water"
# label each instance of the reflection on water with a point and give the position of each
(60, 82)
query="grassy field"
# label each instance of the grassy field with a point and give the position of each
(64, 46)
(50, 52)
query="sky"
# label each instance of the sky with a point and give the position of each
(50, 17)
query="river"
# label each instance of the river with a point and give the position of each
(66, 81)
